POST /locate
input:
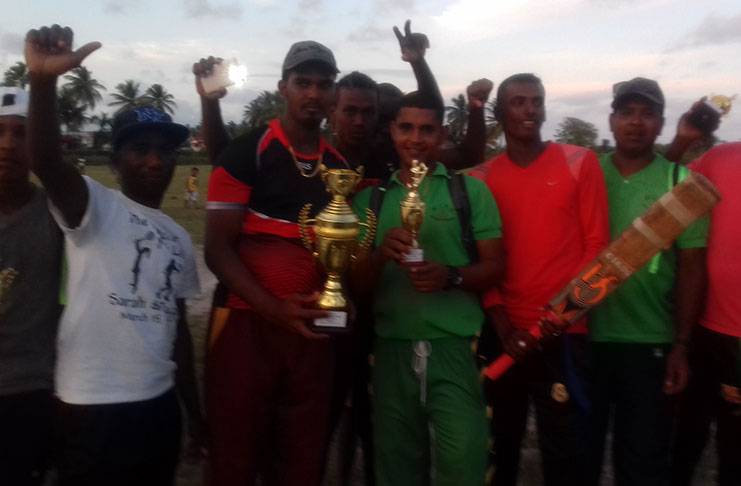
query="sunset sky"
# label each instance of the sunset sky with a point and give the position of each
(578, 47)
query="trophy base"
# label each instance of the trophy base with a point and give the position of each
(335, 323)
(414, 257)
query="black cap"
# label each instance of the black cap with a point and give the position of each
(305, 51)
(647, 89)
(144, 118)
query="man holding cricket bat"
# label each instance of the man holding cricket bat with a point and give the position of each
(553, 206)
(640, 333)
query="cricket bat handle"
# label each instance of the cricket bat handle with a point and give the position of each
(500, 365)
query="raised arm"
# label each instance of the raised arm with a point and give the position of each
(687, 134)
(214, 133)
(413, 46)
(472, 149)
(49, 54)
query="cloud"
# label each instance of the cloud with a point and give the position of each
(714, 30)
(114, 6)
(370, 33)
(205, 8)
(11, 43)
(309, 5)
(472, 20)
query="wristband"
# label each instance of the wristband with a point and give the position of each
(454, 278)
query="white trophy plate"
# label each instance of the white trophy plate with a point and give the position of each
(336, 320)
(415, 255)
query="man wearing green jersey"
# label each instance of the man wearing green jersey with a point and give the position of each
(640, 334)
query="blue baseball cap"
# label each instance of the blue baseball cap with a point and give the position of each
(145, 118)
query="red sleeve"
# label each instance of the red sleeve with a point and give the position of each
(593, 212)
(223, 188)
(481, 171)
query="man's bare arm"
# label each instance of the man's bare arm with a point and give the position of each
(686, 135)
(223, 230)
(413, 46)
(49, 54)
(690, 302)
(213, 130)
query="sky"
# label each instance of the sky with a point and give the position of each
(579, 48)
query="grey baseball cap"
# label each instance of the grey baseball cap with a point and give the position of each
(647, 89)
(304, 51)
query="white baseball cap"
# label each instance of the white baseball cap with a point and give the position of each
(13, 101)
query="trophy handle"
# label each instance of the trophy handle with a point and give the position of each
(324, 173)
(303, 225)
(370, 234)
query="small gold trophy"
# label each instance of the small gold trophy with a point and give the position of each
(336, 229)
(706, 115)
(413, 212)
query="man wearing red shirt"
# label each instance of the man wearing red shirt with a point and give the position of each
(715, 349)
(553, 205)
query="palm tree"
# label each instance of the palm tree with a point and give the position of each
(71, 111)
(126, 96)
(103, 121)
(103, 135)
(457, 118)
(84, 87)
(493, 129)
(157, 97)
(16, 75)
(267, 106)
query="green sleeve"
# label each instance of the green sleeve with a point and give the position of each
(485, 219)
(360, 203)
(695, 236)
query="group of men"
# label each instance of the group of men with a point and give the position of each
(497, 246)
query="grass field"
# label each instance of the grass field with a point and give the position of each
(193, 220)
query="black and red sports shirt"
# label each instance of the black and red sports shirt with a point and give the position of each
(256, 172)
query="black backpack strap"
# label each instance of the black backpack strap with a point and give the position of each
(376, 199)
(675, 175)
(462, 205)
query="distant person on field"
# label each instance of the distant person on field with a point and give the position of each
(191, 189)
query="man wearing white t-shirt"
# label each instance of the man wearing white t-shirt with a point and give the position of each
(123, 342)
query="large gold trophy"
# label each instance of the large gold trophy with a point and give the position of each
(336, 230)
(413, 212)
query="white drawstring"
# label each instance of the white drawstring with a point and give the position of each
(422, 350)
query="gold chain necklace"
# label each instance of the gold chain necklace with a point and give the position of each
(298, 166)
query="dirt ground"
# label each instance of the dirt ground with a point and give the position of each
(530, 475)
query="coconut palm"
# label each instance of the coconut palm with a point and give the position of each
(457, 118)
(126, 95)
(16, 75)
(267, 106)
(157, 97)
(71, 110)
(103, 121)
(84, 87)
(103, 135)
